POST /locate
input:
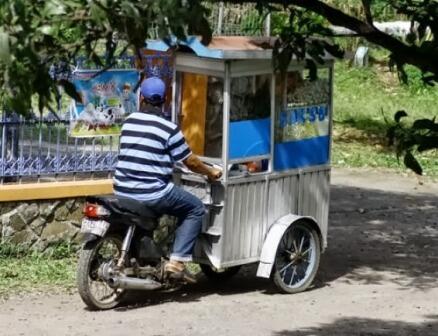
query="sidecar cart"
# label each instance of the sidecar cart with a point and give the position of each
(271, 134)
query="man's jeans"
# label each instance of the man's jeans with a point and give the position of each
(190, 211)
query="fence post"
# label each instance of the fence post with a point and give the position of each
(268, 25)
(220, 18)
(3, 146)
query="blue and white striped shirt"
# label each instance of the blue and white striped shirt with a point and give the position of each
(149, 146)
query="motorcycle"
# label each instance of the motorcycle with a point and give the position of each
(120, 254)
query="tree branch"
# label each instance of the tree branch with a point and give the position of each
(403, 53)
(366, 4)
(112, 64)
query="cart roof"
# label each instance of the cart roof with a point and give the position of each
(222, 47)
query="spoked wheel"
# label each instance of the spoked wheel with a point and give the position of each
(297, 258)
(94, 259)
(215, 274)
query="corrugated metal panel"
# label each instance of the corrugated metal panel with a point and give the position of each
(251, 207)
(245, 218)
(314, 197)
(283, 197)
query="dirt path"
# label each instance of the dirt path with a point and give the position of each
(378, 277)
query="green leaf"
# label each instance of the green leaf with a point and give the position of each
(390, 134)
(313, 69)
(411, 38)
(399, 114)
(129, 9)
(70, 89)
(97, 13)
(96, 59)
(428, 144)
(46, 30)
(5, 53)
(55, 7)
(283, 58)
(411, 162)
(334, 50)
(422, 28)
(424, 124)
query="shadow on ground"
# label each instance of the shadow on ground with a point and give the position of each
(363, 129)
(246, 282)
(374, 237)
(377, 236)
(368, 327)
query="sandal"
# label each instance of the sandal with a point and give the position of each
(179, 272)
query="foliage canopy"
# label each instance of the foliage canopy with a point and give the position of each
(37, 34)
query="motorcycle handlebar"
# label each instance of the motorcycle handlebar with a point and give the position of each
(184, 170)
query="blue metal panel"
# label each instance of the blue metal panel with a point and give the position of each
(250, 138)
(301, 153)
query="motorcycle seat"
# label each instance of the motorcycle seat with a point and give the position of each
(124, 207)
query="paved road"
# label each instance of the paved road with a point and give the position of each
(378, 277)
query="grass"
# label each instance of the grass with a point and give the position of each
(22, 270)
(365, 100)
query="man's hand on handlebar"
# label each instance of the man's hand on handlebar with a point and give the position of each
(214, 174)
(197, 166)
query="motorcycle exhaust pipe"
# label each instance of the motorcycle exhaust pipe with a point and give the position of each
(133, 283)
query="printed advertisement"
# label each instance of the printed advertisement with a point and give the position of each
(106, 100)
(298, 123)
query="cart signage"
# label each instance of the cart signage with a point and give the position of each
(302, 137)
(303, 122)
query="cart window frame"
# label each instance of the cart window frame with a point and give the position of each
(177, 115)
(302, 151)
(250, 137)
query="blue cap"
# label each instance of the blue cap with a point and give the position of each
(153, 90)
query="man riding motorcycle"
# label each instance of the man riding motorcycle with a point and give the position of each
(149, 147)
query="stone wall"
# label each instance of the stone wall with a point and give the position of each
(40, 223)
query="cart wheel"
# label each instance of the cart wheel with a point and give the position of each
(297, 258)
(222, 274)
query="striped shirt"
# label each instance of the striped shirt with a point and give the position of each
(149, 146)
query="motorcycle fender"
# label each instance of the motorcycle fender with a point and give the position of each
(89, 237)
(275, 233)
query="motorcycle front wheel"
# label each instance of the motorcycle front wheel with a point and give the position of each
(94, 291)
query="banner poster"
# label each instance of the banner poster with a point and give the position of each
(106, 100)
(304, 122)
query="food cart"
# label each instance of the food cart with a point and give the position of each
(271, 135)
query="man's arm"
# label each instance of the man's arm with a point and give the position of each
(197, 166)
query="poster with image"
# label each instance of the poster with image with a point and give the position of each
(106, 100)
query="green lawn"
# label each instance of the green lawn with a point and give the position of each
(18, 275)
(363, 98)
(22, 270)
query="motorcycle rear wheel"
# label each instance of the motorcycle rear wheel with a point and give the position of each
(90, 285)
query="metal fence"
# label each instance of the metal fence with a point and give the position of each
(41, 148)
(245, 19)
